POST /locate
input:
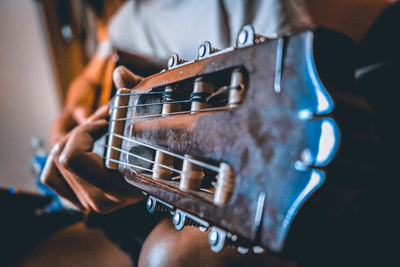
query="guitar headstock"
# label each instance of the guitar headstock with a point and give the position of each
(235, 140)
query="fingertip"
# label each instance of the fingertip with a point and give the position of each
(103, 108)
(64, 160)
(103, 121)
(80, 114)
(95, 128)
(124, 78)
(100, 113)
(56, 148)
(100, 124)
(48, 169)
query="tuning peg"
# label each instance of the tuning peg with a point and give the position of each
(180, 220)
(247, 37)
(174, 61)
(258, 250)
(242, 250)
(153, 205)
(205, 50)
(216, 239)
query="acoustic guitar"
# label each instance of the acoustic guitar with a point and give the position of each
(237, 140)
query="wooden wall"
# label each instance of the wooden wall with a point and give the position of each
(71, 38)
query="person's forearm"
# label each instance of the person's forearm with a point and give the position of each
(94, 71)
(82, 89)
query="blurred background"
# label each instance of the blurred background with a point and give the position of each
(28, 87)
(44, 44)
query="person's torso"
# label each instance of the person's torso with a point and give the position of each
(158, 28)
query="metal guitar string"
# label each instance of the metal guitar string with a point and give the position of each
(218, 91)
(130, 165)
(194, 161)
(173, 113)
(151, 171)
(143, 158)
(162, 92)
(153, 104)
(138, 93)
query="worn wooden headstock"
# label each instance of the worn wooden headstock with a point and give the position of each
(236, 140)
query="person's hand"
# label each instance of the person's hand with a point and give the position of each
(79, 175)
(84, 91)
(65, 122)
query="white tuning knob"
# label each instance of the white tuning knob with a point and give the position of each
(205, 50)
(174, 61)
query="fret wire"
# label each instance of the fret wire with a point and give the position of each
(194, 161)
(144, 159)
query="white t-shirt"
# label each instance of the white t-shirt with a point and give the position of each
(158, 28)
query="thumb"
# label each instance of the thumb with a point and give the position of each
(124, 78)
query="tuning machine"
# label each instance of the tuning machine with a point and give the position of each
(181, 219)
(248, 37)
(174, 61)
(218, 239)
(153, 205)
(205, 50)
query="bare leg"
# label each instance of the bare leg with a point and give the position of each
(77, 245)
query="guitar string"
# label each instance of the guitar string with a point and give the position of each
(175, 178)
(128, 164)
(220, 90)
(191, 160)
(162, 92)
(173, 113)
(196, 162)
(140, 93)
(143, 158)
(151, 104)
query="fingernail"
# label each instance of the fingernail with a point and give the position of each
(56, 148)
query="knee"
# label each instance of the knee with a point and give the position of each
(157, 248)
(166, 246)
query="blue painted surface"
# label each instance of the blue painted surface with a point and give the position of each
(37, 163)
